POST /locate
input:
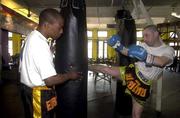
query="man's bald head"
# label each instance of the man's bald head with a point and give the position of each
(49, 16)
(151, 28)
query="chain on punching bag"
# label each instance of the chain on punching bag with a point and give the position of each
(71, 53)
(127, 30)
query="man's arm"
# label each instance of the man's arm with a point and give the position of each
(161, 61)
(135, 51)
(150, 60)
(61, 78)
(113, 71)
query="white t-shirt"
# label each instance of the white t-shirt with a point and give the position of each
(154, 72)
(37, 60)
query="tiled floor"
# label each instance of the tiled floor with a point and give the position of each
(101, 98)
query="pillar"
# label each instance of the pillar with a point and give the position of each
(111, 53)
(4, 49)
(16, 39)
(94, 44)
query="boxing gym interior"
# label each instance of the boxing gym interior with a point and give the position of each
(97, 20)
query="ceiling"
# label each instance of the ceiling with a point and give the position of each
(102, 12)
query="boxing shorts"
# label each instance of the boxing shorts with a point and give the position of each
(44, 101)
(136, 84)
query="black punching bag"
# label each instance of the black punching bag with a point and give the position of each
(127, 30)
(71, 54)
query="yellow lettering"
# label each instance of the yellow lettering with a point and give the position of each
(48, 105)
(51, 103)
(129, 76)
(137, 85)
(54, 102)
(131, 84)
(138, 90)
(143, 93)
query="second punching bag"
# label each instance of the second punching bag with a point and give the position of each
(71, 53)
(127, 30)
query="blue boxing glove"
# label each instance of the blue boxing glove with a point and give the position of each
(141, 54)
(115, 43)
(138, 52)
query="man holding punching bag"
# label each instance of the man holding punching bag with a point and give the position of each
(37, 72)
(152, 55)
